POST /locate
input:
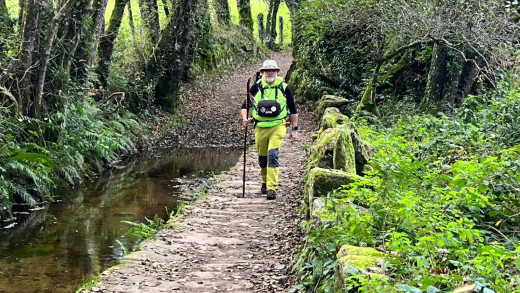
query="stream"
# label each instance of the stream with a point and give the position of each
(55, 248)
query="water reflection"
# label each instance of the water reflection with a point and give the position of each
(53, 249)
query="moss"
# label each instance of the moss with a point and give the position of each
(327, 101)
(332, 117)
(367, 101)
(350, 258)
(349, 250)
(359, 261)
(344, 157)
(334, 150)
(403, 62)
(322, 181)
(322, 150)
(363, 151)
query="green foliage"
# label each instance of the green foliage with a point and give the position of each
(329, 58)
(443, 195)
(142, 231)
(316, 261)
(40, 159)
(88, 283)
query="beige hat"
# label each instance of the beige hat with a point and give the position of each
(270, 65)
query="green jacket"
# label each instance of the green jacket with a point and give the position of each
(271, 92)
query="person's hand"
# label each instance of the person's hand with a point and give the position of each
(294, 136)
(246, 122)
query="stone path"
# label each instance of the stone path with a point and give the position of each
(224, 243)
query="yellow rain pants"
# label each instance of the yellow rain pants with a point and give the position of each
(268, 145)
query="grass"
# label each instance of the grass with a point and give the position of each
(89, 282)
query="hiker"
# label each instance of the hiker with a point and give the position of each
(271, 102)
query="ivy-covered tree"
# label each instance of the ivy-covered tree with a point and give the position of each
(471, 39)
(244, 14)
(150, 20)
(271, 23)
(106, 45)
(222, 11)
(293, 6)
(86, 52)
(174, 53)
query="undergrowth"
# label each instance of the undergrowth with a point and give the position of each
(40, 159)
(443, 197)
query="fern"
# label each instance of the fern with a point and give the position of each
(19, 190)
(37, 155)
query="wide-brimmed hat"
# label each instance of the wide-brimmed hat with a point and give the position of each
(270, 65)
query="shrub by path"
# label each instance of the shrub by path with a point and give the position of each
(224, 243)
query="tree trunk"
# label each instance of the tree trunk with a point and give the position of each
(222, 11)
(174, 50)
(244, 14)
(21, 5)
(6, 25)
(455, 80)
(87, 49)
(62, 63)
(203, 41)
(436, 76)
(132, 32)
(44, 60)
(150, 21)
(368, 100)
(281, 30)
(293, 6)
(29, 45)
(271, 23)
(166, 10)
(106, 44)
(472, 71)
(261, 29)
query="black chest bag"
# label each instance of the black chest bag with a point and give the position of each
(269, 108)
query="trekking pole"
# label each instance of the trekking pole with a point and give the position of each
(245, 140)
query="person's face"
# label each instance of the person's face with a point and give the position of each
(270, 75)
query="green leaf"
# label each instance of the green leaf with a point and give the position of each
(407, 288)
(33, 158)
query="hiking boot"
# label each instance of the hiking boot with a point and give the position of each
(271, 194)
(264, 188)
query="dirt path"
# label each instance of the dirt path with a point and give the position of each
(223, 242)
(212, 107)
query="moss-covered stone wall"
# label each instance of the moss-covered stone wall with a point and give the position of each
(338, 158)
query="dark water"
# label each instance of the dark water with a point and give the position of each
(54, 249)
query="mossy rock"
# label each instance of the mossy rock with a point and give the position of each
(332, 118)
(323, 149)
(317, 212)
(353, 259)
(344, 156)
(333, 149)
(341, 103)
(363, 151)
(322, 181)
